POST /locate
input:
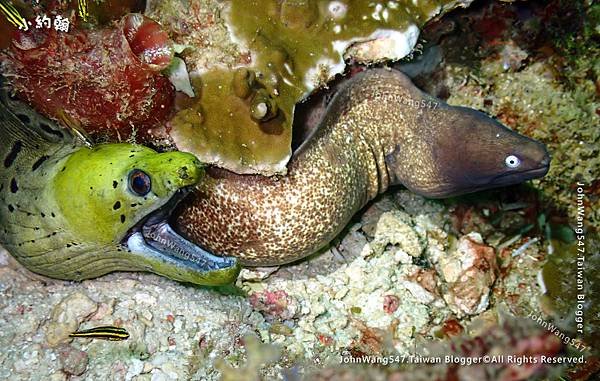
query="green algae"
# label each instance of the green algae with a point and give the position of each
(293, 47)
(561, 274)
(535, 104)
(551, 96)
(355, 310)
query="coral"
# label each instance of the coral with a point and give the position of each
(106, 80)
(258, 355)
(515, 350)
(392, 228)
(344, 293)
(66, 316)
(73, 361)
(560, 120)
(105, 11)
(233, 131)
(291, 47)
(274, 305)
(347, 299)
(540, 81)
(470, 271)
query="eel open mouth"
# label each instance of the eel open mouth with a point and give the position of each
(155, 237)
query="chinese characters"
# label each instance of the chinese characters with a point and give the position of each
(61, 24)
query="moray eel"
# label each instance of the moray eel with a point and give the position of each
(72, 212)
(379, 130)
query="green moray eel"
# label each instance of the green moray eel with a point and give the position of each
(72, 212)
(379, 130)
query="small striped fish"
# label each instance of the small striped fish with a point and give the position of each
(83, 9)
(12, 15)
(107, 332)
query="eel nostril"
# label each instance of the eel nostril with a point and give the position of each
(546, 160)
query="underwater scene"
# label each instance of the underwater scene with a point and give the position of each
(347, 190)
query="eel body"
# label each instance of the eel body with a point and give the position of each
(379, 130)
(72, 212)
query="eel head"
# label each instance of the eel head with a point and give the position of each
(120, 197)
(475, 152)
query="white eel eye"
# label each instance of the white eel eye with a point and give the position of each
(512, 161)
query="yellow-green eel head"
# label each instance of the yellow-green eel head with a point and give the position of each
(119, 197)
(73, 212)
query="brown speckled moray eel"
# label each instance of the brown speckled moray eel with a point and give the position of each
(379, 130)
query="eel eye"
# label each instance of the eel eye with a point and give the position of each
(139, 182)
(512, 161)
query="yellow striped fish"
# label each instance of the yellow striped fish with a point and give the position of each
(106, 332)
(13, 15)
(83, 9)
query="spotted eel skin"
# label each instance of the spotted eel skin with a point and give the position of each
(379, 130)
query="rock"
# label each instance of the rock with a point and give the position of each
(257, 273)
(158, 375)
(384, 44)
(73, 361)
(469, 272)
(419, 292)
(395, 228)
(104, 310)
(258, 354)
(424, 64)
(426, 278)
(275, 305)
(145, 298)
(353, 243)
(529, 98)
(135, 369)
(372, 214)
(390, 303)
(66, 317)
(513, 56)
